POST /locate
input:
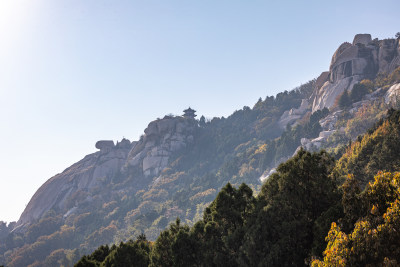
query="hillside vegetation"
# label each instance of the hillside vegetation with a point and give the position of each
(262, 186)
(296, 208)
(238, 150)
(232, 149)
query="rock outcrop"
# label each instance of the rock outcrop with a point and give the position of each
(291, 116)
(83, 177)
(392, 96)
(351, 63)
(162, 138)
(105, 145)
(80, 183)
(364, 39)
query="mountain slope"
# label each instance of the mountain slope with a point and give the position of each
(286, 224)
(180, 163)
(378, 150)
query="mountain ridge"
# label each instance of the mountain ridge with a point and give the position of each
(180, 163)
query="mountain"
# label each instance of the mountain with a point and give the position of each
(180, 163)
(352, 63)
(302, 213)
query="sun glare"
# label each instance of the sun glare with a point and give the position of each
(8, 12)
(13, 15)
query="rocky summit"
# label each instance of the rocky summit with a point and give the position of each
(162, 138)
(151, 154)
(353, 62)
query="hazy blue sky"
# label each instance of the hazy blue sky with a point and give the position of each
(73, 71)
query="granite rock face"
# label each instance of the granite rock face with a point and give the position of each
(392, 96)
(292, 115)
(364, 39)
(162, 138)
(150, 154)
(351, 63)
(105, 144)
(389, 55)
(84, 176)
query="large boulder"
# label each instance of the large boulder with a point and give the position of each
(362, 39)
(105, 144)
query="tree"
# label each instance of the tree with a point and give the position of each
(344, 100)
(86, 262)
(359, 90)
(375, 239)
(202, 121)
(129, 254)
(165, 248)
(290, 203)
(351, 202)
(379, 149)
(56, 258)
(224, 223)
(100, 253)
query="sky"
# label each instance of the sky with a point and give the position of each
(73, 72)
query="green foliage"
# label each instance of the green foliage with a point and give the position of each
(56, 258)
(351, 202)
(359, 90)
(211, 241)
(344, 100)
(286, 224)
(318, 115)
(131, 253)
(356, 94)
(173, 247)
(377, 150)
(45, 226)
(364, 119)
(374, 241)
(234, 150)
(274, 151)
(290, 203)
(384, 80)
(38, 251)
(100, 253)
(85, 262)
(224, 222)
(202, 121)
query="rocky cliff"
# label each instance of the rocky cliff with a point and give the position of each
(179, 164)
(162, 138)
(79, 184)
(84, 176)
(351, 63)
